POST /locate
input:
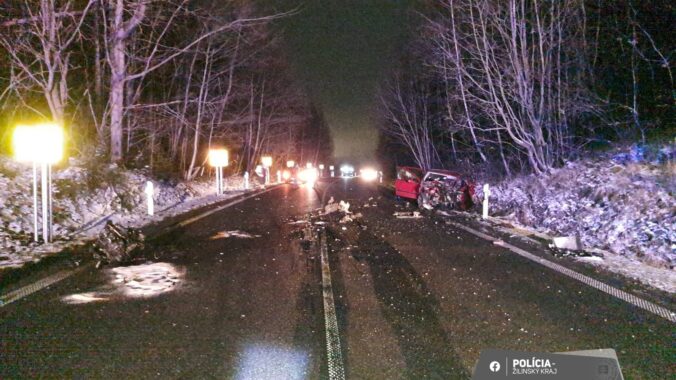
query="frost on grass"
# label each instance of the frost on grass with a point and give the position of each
(135, 281)
(628, 209)
(86, 195)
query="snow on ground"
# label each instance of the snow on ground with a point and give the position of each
(627, 208)
(84, 200)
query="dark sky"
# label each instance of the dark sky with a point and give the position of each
(341, 49)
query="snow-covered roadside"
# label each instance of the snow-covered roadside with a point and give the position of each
(627, 209)
(84, 202)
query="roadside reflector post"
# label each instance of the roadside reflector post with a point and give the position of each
(150, 192)
(487, 193)
(279, 176)
(246, 180)
(332, 171)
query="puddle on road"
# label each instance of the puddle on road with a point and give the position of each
(233, 233)
(135, 281)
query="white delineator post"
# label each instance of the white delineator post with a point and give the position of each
(279, 176)
(35, 201)
(487, 193)
(332, 171)
(150, 192)
(246, 180)
(45, 204)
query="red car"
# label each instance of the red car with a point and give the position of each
(408, 181)
(437, 188)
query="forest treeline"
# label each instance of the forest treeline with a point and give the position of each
(521, 86)
(156, 82)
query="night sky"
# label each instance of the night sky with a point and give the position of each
(340, 50)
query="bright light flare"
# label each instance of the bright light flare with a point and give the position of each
(266, 161)
(286, 175)
(218, 158)
(290, 164)
(346, 170)
(369, 174)
(309, 175)
(39, 143)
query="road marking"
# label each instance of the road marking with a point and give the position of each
(334, 353)
(617, 293)
(27, 290)
(217, 209)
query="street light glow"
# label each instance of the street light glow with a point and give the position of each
(39, 143)
(218, 157)
(266, 161)
(290, 164)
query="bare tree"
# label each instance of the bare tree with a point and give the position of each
(38, 42)
(408, 118)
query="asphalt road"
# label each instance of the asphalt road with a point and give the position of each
(415, 298)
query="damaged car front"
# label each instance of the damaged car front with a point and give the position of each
(445, 190)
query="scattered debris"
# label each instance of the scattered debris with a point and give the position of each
(350, 218)
(117, 244)
(233, 233)
(296, 222)
(335, 207)
(408, 215)
(567, 242)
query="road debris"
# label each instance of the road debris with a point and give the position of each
(332, 207)
(408, 215)
(233, 233)
(350, 217)
(117, 244)
(567, 242)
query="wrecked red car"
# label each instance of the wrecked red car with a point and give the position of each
(436, 189)
(408, 182)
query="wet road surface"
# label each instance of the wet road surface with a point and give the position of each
(238, 294)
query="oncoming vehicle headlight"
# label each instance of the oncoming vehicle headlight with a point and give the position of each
(308, 175)
(286, 175)
(369, 174)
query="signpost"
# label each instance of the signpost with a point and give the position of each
(267, 163)
(40, 144)
(218, 158)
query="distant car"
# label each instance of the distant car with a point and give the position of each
(436, 189)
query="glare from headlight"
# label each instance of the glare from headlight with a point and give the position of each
(369, 174)
(308, 175)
